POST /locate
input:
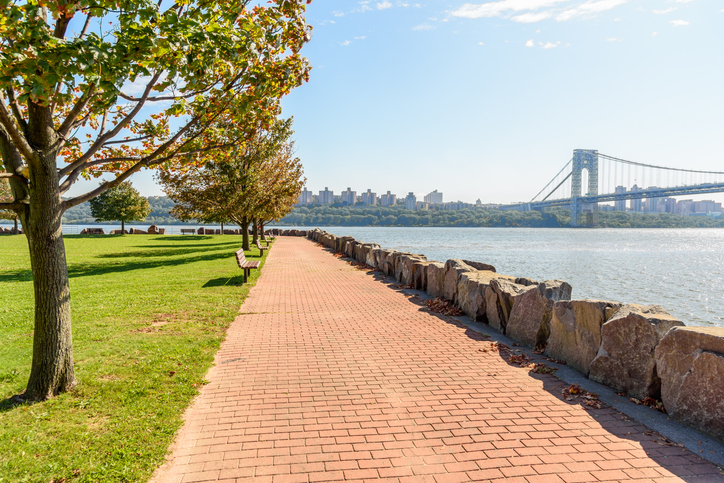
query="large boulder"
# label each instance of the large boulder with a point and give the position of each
(387, 261)
(479, 266)
(373, 257)
(471, 292)
(499, 301)
(626, 359)
(341, 243)
(453, 269)
(526, 281)
(407, 268)
(576, 331)
(435, 276)
(419, 274)
(530, 317)
(690, 363)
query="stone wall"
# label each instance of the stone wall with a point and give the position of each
(638, 349)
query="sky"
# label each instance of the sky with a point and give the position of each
(488, 100)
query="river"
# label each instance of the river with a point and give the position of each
(679, 269)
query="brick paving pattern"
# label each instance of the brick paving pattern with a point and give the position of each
(329, 374)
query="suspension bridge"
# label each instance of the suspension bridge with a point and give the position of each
(611, 179)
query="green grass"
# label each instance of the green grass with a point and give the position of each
(149, 313)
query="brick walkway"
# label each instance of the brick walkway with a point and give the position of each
(329, 374)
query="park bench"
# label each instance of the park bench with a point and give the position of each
(261, 248)
(189, 231)
(245, 264)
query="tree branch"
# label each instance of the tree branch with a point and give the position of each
(14, 206)
(7, 122)
(121, 141)
(67, 125)
(14, 107)
(12, 176)
(103, 138)
(73, 176)
(103, 187)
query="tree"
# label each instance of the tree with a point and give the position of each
(120, 203)
(6, 196)
(240, 183)
(85, 69)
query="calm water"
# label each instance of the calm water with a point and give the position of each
(682, 270)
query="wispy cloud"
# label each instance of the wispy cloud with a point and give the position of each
(361, 38)
(588, 9)
(613, 39)
(345, 43)
(502, 7)
(424, 26)
(530, 43)
(683, 1)
(680, 23)
(664, 11)
(384, 5)
(549, 45)
(531, 17)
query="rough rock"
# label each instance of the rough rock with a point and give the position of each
(373, 257)
(690, 363)
(530, 316)
(119, 232)
(525, 281)
(499, 301)
(419, 274)
(471, 292)
(453, 269)
(576, 331)
(387, 261)
(626, 359)
(480, 266)
(153, 230)
(435, 276)
(407, 272)
(137, 231)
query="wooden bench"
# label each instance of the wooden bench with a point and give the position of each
(190, 231)
(245, 264)
(261, 248)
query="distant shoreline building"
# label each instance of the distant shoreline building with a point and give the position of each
(410, 201)
(326, 197)
(433, 198)
(388, 199)
(369, 198)
(349, 197)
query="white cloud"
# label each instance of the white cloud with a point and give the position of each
(361, 38)
(654, 34)
(345, 43)
(480, 43)
(423, 26)
(679, 23)
(549, 45)
(531, 17)
(613, 39)
(530, 43)
(496, 9)
(384, 5)
(683, 1)
(337, 13)
(664, 11)
(589, 8)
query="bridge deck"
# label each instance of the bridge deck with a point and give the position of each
(329, 374)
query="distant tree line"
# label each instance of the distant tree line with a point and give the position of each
(161, 207)
(326, 215)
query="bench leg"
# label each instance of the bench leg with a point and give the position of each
(246, 274)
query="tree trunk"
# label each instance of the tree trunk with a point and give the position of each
(245, 233)
(52, 368)
(263, 236)
(15, 228)
(123, 227)
(222, 227)
(255, 230)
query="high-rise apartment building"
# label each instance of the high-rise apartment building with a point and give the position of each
(349, 197)
(388, 199)
(620, 205)
(326, 197)
(635, 204)
(369, 198)
(434, 198)
(410, 201)
(306, 197)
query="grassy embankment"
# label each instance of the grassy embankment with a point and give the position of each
(149, 313)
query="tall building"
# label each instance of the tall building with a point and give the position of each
(369, 198)
(326, 197)
(434, 198)
(651, 205)
(306, 197)
(349, 197)
(635, 203)
(620, 205)
(410, 201)
(388, 199)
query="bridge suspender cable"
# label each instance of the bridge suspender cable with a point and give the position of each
(652, 166)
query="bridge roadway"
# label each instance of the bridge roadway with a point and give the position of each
(330, 374)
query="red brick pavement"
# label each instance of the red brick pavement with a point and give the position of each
(331, 375)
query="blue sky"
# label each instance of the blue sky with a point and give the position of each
(488, 99)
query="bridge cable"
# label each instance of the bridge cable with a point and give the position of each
(657, 167)
(551, 181)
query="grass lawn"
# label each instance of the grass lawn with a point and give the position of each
(149, 313)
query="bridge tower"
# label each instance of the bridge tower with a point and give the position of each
(584, 159)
